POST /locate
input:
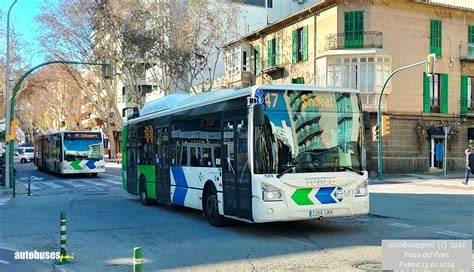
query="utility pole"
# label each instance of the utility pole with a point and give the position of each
(7, 103)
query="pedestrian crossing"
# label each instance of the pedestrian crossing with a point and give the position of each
(73, 185)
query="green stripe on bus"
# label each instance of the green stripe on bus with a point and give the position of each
(150, 175)
(75, 165)
(124, 157)
(300, 196)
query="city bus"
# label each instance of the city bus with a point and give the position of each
(259, 154)
(70, 152)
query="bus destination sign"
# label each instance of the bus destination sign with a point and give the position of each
(81, 135)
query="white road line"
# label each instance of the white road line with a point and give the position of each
(33, 187)
(75, 184)
(110, 175)
(94, 183)
(406, 226)
(112, 181)
(4, 262)
(53, 185)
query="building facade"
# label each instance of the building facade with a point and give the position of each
(357, 44)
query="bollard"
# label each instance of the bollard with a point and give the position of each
(63, 238)
(29, 186)
(137, 259)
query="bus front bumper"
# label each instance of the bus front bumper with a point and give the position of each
(264, 211)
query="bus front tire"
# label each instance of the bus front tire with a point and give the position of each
(143, 195)
(212, 209)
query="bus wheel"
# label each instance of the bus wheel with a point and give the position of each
(143, 196)
(212, 209)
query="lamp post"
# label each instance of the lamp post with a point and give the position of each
(7, 101)
(106, 74)
(379, 142)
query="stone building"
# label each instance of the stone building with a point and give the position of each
(357, 44)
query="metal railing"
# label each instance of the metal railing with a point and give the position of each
(367, 39)
(467, 51)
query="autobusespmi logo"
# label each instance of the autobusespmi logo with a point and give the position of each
(42, 255)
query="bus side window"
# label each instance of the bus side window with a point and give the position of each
(217, 156)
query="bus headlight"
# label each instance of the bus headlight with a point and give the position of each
(362, 189)
(271, 193)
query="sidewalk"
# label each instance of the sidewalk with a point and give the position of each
(452, 175)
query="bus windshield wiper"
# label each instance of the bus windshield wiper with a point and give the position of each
(291, 167)
(350, 169)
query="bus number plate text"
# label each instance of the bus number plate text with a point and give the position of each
(319, 213)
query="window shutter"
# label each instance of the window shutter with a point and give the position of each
(270, 54)
(470, 41)
(257, 60)
(277, 52)
(301, 80)
(359, 31)
(294, 80)
(348, 26)
(464, 100)
(305, 43)
(426, 93)
(294, 57)
(435, 37)
(444, 93)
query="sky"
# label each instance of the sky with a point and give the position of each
(22, 18)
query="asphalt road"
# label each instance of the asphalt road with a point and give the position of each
(105, 224)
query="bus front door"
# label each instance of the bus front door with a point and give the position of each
(235, 169)
(132, 170)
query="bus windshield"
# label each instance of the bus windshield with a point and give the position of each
(83, 146)
(307, 131)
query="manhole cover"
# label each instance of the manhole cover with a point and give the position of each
(370, 267)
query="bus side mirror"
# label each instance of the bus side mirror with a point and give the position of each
(366, 117)
(258, 116)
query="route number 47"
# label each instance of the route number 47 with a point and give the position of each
(271, 100)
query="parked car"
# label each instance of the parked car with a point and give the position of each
(28, 151)
(20, 158)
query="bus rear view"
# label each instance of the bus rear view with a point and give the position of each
(308, 155)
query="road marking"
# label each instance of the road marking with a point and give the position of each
(94, 183)
(33, 187)
(4, 262)
(405, 226)
(110, 175)
(113, 181)
(53, 185)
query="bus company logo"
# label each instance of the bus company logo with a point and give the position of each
(320, 181)
(149, 134)
(339, 194)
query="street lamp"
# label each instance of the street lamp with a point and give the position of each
(7, 102)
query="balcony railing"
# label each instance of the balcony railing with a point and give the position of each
(367, 39)
(467, 52)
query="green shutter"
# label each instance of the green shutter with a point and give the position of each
(277, 52)
(444, 93)
(435, 37)
(294, 80)
(354, 29)
(257, 60)
(270, 53)
(464, 105)
(294, 56)
(301, 80)
(426, 93)
(470, 41)
(305, 43)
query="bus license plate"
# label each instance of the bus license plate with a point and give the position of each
(319, 213)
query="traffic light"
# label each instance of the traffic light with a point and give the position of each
(13, 129)
(375, 134)
(430, 64)
(106, 69)
(385, 125)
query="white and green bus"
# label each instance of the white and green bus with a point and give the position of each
(70, 152)
(260, 154)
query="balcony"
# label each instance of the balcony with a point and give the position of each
(272, 69)
(467, 107)
(367, 39)
(467, 52)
